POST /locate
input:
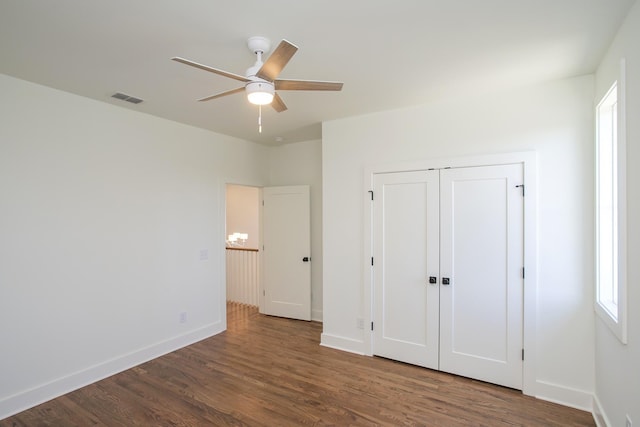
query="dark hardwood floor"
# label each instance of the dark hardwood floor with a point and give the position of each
(266, 371)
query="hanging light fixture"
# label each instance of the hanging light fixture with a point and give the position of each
(260, 92)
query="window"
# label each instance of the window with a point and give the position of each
(610, 212)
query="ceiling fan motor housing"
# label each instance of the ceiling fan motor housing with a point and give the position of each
(259, 91)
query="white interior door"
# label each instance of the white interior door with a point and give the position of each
(481, 253)
(405, 221)
(286, 252)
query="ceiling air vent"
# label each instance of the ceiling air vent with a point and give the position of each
(125, 97)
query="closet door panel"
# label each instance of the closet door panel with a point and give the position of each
(481, 253)
(405, 236)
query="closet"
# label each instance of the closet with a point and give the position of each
(447, 270)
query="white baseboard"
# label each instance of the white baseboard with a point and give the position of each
(316, 315)
(574, 398)
(342, 343)
(45, 392)
(599, 415)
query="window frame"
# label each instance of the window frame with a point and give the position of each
(617, 321)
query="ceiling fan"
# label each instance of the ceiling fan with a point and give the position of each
(260, 80)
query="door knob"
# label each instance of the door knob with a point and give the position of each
(306, 259)
(445, 280)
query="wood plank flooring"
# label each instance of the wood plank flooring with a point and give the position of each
(267, 371)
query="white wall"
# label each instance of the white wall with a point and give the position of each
(618, 365)
(243, 213)
(553, 119)
(104, 213)
(301, 164)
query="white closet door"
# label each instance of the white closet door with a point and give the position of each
(481, 253)
(405, 227)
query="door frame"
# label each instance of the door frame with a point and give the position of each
(528, 160)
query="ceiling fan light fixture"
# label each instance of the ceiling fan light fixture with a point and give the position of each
(260, 93)
(261, 79)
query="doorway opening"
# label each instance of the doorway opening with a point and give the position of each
(267, 256)
(242, 238)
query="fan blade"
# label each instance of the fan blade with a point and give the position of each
(306, 85)
(210, 69)
(277, 61)
(220, 95)
(278, 103)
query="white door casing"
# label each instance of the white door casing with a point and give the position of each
(286, 243)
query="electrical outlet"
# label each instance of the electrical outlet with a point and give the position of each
(183, 317)
(628, 422)
(360, 323)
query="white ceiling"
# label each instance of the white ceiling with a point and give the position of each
(389, 54)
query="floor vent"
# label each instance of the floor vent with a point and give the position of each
(125, 97)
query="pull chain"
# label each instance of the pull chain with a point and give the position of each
(259, 118)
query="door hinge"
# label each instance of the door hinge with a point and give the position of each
(521, 185)
(371, 260)
(372, 326)
(523, 354)
(263, 203)
(371, 192)
(523, 272)
(263, 293)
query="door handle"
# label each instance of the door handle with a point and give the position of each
(433, 280)
(445, 280)
(306, 259)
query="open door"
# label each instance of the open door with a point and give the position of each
(286, 252)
